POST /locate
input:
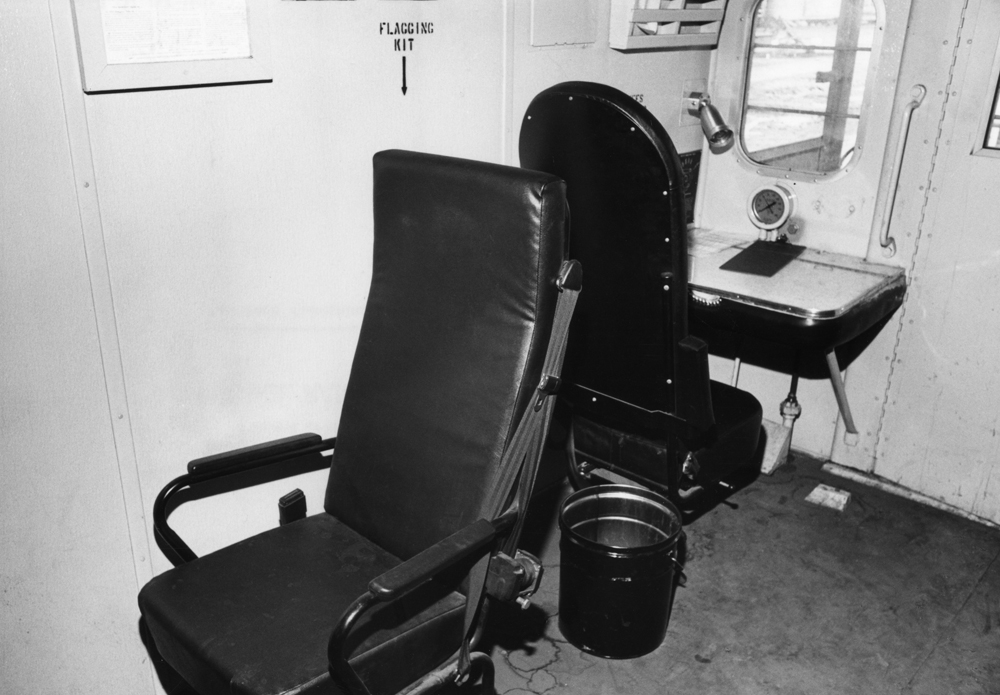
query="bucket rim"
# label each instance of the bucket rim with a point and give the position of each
(621, 490)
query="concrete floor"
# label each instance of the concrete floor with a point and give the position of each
(784, 596)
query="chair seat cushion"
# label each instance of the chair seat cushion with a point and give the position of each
(256, 617)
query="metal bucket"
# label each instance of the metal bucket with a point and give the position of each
(619, 547)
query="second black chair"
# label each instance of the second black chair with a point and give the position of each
(637, 383)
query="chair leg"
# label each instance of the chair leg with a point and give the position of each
(445, 678)
(840, 392)
(488, 672)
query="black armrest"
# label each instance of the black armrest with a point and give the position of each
(233, 462)
(240, 458)
(439, 557)
(465, 543)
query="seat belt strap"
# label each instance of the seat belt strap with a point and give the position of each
(520, 460)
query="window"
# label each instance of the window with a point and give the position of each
(805, 82)
(993, 128)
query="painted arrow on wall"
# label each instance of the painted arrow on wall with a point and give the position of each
(404, 76)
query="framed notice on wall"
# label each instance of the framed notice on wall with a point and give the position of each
(152, 44)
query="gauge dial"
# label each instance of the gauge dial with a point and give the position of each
(770, 206)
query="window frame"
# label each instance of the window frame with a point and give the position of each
(863, 116)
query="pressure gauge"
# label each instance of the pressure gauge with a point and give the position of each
(770, 206)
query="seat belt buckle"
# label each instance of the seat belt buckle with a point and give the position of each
(514, 578)
(570, 276)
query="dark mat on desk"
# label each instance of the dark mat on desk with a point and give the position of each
(763, 258)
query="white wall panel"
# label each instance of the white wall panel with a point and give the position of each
(941, 421)
(67, 577)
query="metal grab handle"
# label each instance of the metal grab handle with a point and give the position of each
(917, 94)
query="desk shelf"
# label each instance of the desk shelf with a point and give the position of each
(816, 285)
(817, 302)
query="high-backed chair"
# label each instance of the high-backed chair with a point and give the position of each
(447, 404)
(637, 383)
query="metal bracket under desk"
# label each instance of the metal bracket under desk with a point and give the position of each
(820, 300)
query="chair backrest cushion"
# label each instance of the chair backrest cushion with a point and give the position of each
(451, 345)
(627, 229)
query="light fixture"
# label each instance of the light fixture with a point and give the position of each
(718, 134)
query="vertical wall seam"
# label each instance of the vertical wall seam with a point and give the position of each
(911, 268)
(109, 343)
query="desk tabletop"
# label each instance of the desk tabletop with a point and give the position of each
(816, 284)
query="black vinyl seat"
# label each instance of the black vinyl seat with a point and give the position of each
(256, 617)
(637, 383)
(450, 376)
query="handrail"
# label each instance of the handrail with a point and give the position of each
(917, 94)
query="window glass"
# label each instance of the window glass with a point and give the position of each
(805, 82)
(993, 129)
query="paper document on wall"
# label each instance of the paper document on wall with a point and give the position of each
(158, 31)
